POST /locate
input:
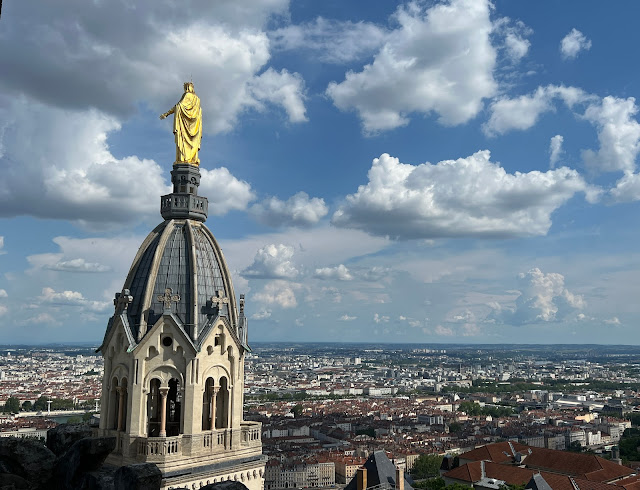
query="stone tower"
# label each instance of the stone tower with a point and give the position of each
(174, 351)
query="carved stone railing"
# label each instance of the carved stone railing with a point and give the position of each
(159, 447)
(251, 434)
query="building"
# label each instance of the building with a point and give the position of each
(174, 354)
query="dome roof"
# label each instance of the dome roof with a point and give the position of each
(180, 255)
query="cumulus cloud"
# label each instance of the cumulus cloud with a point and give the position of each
(224, 191)
(221, 45)
(262, 314)
(515, 42)
(2, 246)
(543, 298)
(613, 321)
(466, 197)
(279, 293)
(77, 265)
(71, 298)
(444, 331)
(523, 112)
(71, 173)
(3, 310)
(347, 318)
(330, 41)
(380, 318)
(298, 210)
(618, 135)
(573, 43)
(555, 149)
(3, 294)
(42, 318)
(280, 88)
(272, 262)
(438, 59)
(340, 273)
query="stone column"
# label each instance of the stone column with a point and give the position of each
(163, 411)
(121, 392)
(214, 396)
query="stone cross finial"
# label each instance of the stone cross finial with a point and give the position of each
(122, 300)
(219, 299)
(168, 298)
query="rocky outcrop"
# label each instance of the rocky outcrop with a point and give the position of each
(28, 459)
(144, 476)
(61, 438)
(84, 456)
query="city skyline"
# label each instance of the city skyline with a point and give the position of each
(432, 172)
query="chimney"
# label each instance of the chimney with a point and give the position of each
(361, 479)
(399, 479)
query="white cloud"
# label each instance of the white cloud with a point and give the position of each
(272, 262)
(283, 88)
(1, 237)
(613, 321)
(543, 298)
(280, 293)
(3, 293)
(262, 314)
(618, 135)
(573, 43)
(517, 47)
(298, 210)
(340, 273)
(466, 197)
(72, 298)
(555, 149)
(444, 331)
(439, 59)
(627, 189)
(380, 318)
(221, 45)
(330, 41)
(42, 318)
(78, 265)
(3, 310)
(224, 191)
(71, 174)
(523, 112)
(347, 318)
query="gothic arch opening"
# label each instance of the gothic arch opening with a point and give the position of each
(123, 398)
(208, 403)
(113, 405)
(153, 408)
(222, 405)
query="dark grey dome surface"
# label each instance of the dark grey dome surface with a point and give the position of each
(184, 256)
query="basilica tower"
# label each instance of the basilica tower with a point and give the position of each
(174, 352)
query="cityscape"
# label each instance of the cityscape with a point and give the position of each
(324, 408)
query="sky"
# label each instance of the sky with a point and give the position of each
(423, 171)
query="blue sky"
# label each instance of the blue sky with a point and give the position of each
(440, 171)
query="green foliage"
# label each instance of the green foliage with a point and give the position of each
(511, 486)
(629, 445)
(369, 431)
(12, 405)
(431, 484)
(297, 410)
(575, 447)
(455, 427)
(74, 420)
(27, 406)
(426, 466)
(634, 417)
(86, 416)
(61, 404)
(40, 404)
(474, 409)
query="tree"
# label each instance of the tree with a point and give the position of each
(470, 408)
(575, 447)
(74, 420)
(12, 405)
(41, 403)
(297, 410)
(455, 427)
(431, 484)
(426, 466)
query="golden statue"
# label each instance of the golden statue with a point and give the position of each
(187, 126)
